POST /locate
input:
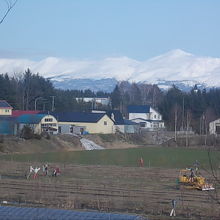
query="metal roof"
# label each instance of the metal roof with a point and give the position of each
(138, 109)
(78, 116)
(30, 118)
(18, 213)
(17, 113)
(7, 118)
(129, 122)
(4, 104)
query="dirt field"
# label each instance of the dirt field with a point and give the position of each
(145, 191)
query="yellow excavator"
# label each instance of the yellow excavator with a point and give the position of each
(191, 179)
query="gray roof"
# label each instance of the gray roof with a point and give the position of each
(78, 116)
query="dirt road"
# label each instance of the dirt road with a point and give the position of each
(90, 145)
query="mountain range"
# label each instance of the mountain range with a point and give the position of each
(174, 67)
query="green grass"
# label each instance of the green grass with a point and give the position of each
(153, 157)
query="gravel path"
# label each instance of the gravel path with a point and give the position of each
(90, 145)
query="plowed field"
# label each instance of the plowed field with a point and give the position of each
(145, 191)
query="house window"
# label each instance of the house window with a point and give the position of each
(48, 119)
(155, 116)
(6, 110)
(105, 123)
(142, 124)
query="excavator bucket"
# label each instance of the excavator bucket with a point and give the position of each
(207, 187)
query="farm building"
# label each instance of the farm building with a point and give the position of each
(96, 101)
(146, 116)
(87, 122)
(8, 125)
(39, 123)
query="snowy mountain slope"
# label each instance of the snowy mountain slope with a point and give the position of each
(176, 65)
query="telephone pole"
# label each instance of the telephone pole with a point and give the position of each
(53, 103)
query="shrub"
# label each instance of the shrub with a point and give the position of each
(45, 135)
(37, 136)
(1, 139)
(27, 132)
(2, 147)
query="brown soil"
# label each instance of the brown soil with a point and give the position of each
(144, 191)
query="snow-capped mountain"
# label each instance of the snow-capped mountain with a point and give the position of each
(176, 66)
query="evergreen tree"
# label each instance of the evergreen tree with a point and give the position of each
(116, 98)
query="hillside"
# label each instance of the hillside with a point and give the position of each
(63, 143)
(56, 143)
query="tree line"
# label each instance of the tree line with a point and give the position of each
(30, 91)
(180, 110)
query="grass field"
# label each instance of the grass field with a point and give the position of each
(153, 157)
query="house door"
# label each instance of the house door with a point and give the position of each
(217, 129)
(81, 130)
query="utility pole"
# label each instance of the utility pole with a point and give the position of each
(175, 122)
(53, 103)
(183, 115)
(187, 127)
(35, 103)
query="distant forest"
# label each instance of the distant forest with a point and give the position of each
(194, 109)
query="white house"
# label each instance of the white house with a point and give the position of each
(146, 116)
(214, 127)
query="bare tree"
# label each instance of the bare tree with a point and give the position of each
(188, 123)
(9, 5)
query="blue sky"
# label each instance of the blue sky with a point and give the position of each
(94, 29)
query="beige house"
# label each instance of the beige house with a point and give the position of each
(92, 123)
(5, 108)
(39, 123)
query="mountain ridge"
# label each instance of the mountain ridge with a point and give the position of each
(175, 65)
